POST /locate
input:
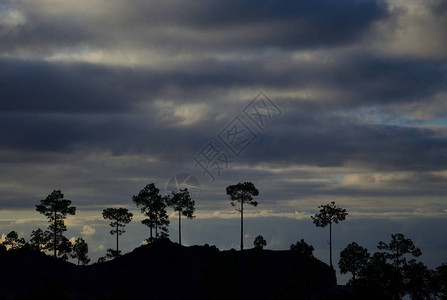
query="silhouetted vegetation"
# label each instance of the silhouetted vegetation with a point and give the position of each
(13, 241)
(303, 248)
(200, 271)
(259, 242)
(440, 280)
(80, 250)
(181, 202)
(166, 270)
(56, 209)
(119, 217)
(329, 213)
(398, 248)
(353, 259)
(153, 206)
(388, 274)
(110, 254)
(39, 239)
(64, 248)
(242, 193)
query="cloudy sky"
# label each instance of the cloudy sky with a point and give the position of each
(312, 101)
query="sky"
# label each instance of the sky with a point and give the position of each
(312, 101)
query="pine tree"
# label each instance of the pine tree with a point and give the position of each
(242, 193)
(80, 250)
(153, 206)
(120, 217)
(181, 202)
(329, 213)
(56, 209)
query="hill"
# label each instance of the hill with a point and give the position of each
(165, 270)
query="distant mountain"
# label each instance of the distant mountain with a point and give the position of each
(165, 270)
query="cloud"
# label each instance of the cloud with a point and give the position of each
(88, 230)
(416, 28)
(9, 19)
(52, 26)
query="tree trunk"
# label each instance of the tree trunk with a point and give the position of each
(330, 244)
(242, 225)
(179, 227)
(117, 233)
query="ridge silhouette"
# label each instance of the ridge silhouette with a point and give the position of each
(166, 270)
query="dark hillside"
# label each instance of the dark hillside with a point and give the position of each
(165, 270)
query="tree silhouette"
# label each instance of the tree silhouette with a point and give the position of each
(56, 209)
(181, 202)
(39, 239)
(380, 279)
(242, 193)
(161, 218)
(64, 248)
(120, 217)
(111, 253)
(329, 213)
(259, 242)
(440, 280)
(80, 250)
(419, 281)
(303, 248)
(13, 241)
(153, 206)
(353, 259)
(398, 248)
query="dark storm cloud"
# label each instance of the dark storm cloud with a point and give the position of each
(213, 24)
(282, 23)
(228, 13)
(366, 78)
(327, 141)
(70, 105)
(71, 88)
(309, 137)
(79, 87)
(121, 134)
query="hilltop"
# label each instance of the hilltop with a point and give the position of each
(166, 270)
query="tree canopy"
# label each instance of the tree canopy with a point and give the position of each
(354, 258)
(181, 202)
(260, 242)
(80, 250)
(13, 241)
(242, 193)
(329, 213)
(303, 248)
(153, 206)
(39, 239)
(119, 217)
(56, 209)
(397, 248)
